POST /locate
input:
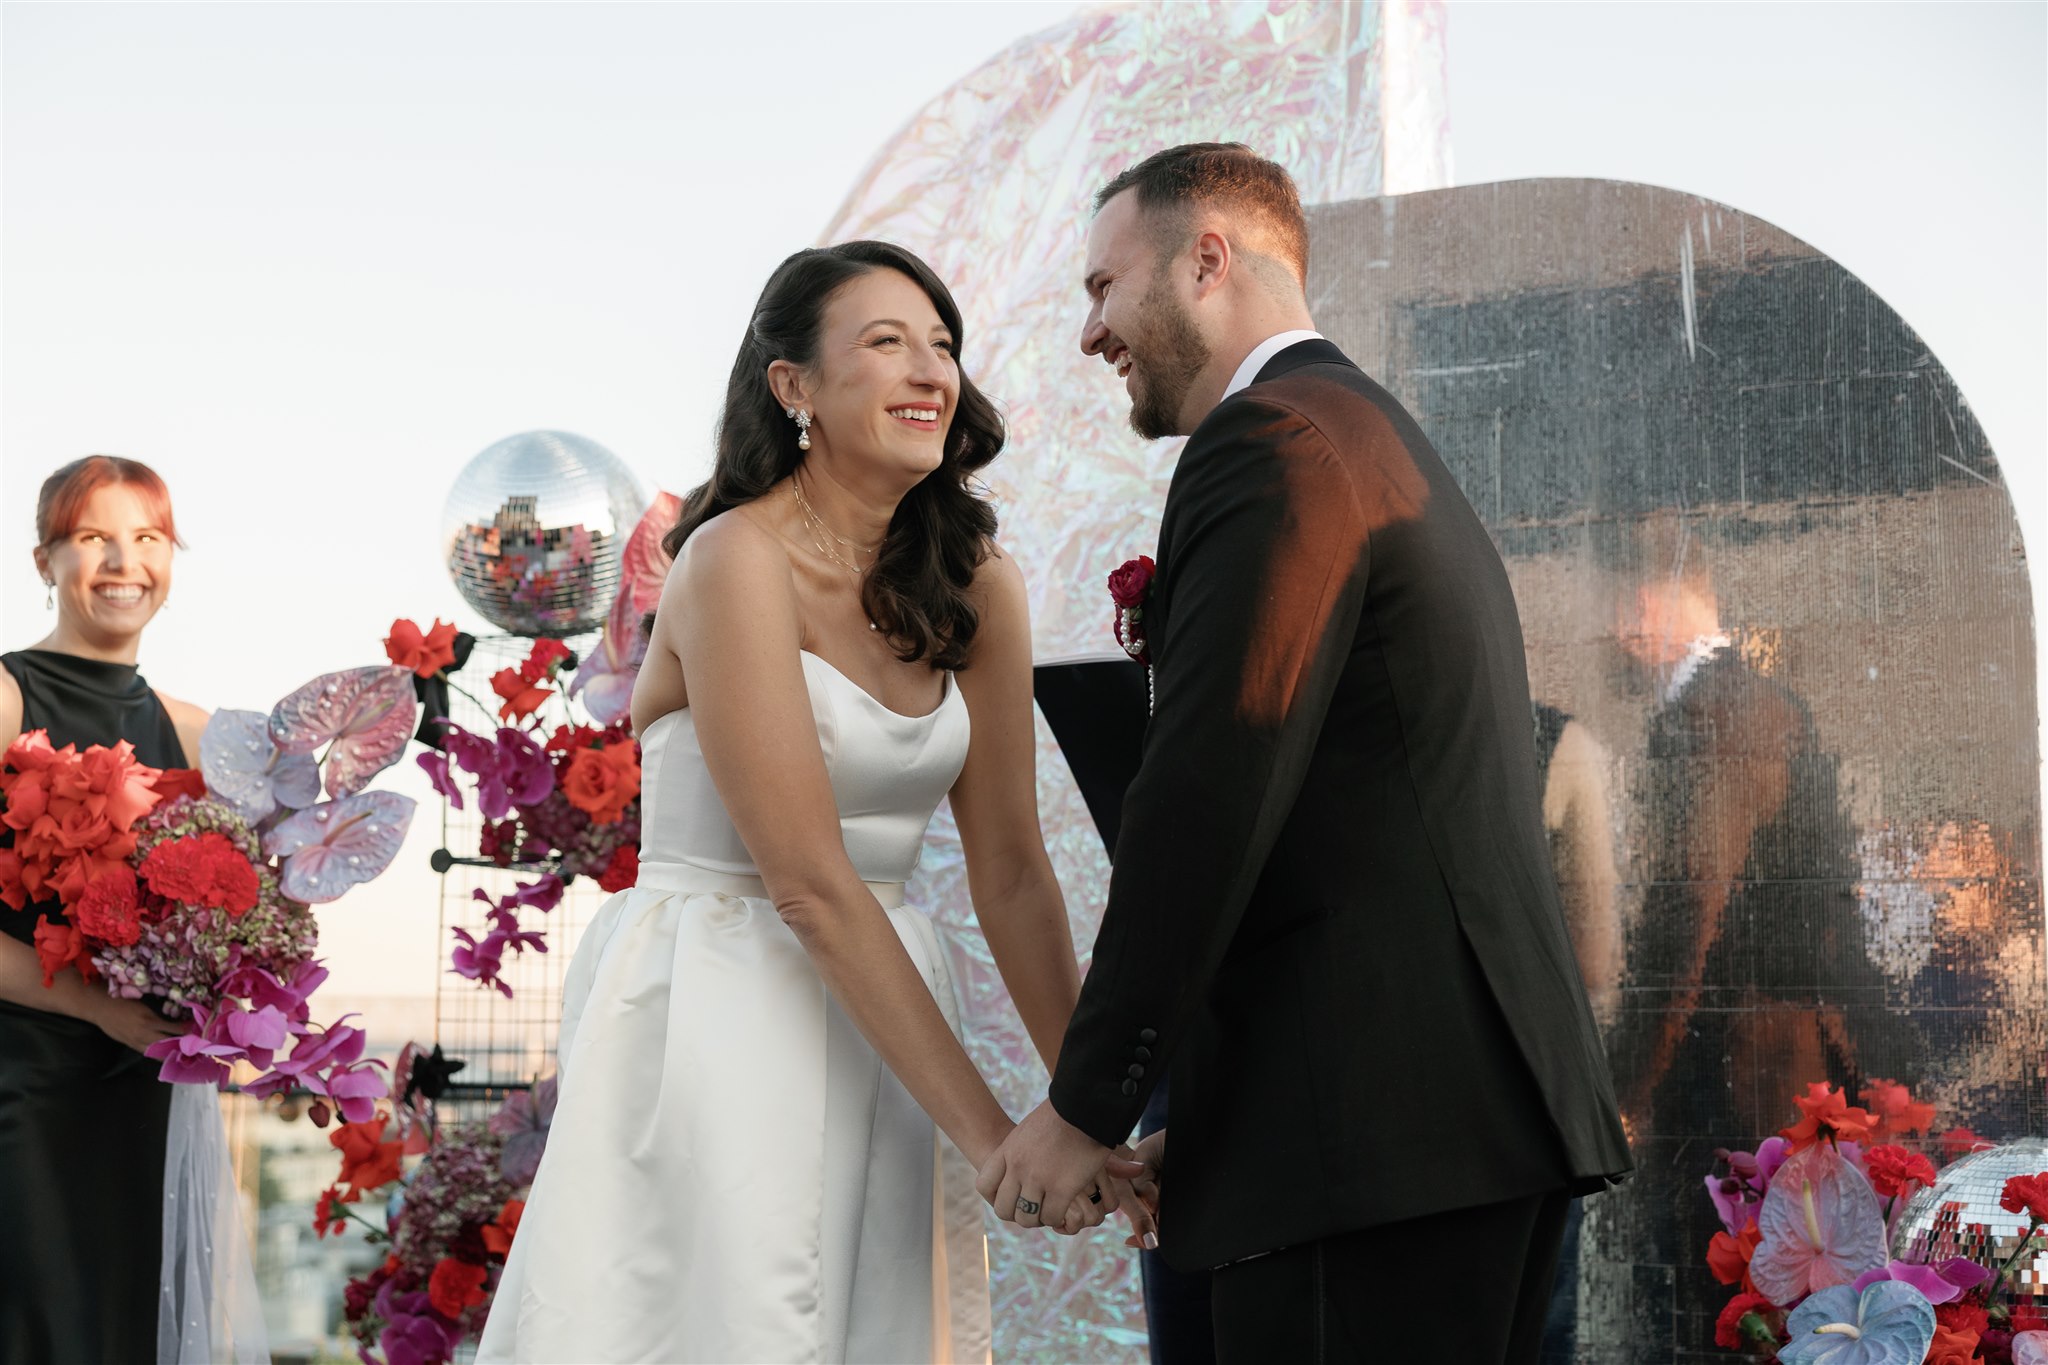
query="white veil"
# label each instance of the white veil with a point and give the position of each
(207, 1309)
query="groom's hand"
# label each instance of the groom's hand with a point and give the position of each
(1042, 1172)
(1145, 1169)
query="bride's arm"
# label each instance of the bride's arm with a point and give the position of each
(995, 802)
(729, 614)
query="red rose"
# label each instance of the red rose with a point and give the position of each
(1828, 1114)
(58, 946)
(1950, 1347)
(600, 782)
(2027, 1194)
(622, 871)
(522, 697)
(455, 1286)
(111, 908)
(1130, 584)
(173, 783)
(541, 660)
(1732, 1331)
(424, 653)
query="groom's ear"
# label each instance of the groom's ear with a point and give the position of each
(1213, 259)
(786, 382)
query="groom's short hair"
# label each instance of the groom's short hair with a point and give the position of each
(1227, 176)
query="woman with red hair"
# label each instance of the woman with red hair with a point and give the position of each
(83, 1117)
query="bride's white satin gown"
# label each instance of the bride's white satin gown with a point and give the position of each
(732, 1174)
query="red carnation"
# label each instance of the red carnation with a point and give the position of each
(111, 908)
(622, 871)
(1897, 1114)
(1894, 1170)
(1962, 1317)
(1734, 1330)
(327, 1215)
(542, 659)
(202, 869)
(2027, 1194)
(455, 1286)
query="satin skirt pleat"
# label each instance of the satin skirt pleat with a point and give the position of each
(732, 1174)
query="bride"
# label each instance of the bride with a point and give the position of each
(759, 1039)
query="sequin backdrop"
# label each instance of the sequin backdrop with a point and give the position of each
(1780, 637)
(992, 184)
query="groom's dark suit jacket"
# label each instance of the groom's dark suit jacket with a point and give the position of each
(1332, 908)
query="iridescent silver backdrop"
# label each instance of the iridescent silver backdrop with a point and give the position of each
(991, 183)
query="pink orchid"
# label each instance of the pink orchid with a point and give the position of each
(192, 1058)
(1820, 1226)
(1925, 1278)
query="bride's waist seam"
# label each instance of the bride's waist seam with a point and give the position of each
(686, 878)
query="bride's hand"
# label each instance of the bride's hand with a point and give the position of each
(1144, 1169)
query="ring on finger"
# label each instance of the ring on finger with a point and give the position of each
(1027, 1206)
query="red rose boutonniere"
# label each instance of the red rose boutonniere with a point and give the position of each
(1129, 587)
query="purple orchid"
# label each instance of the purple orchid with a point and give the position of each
(192, 1058)
(1935, 1287)
(355, 1091)
(480, 961)
(415, 1334)
(263, 988)
(511, 771)
(434, 764)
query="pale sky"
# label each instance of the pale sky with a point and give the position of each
(307, 260)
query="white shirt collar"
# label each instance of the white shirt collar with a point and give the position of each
(1702, 649)
(1262, 353)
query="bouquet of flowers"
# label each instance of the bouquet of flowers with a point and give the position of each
(449, 1221)
(196, 889)
(559, 795)
(1806, 1222)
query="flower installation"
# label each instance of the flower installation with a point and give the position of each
(451, 1199)
(194, 890)
(1806, 1221)
(557, 780)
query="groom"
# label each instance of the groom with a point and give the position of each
(1332, 910)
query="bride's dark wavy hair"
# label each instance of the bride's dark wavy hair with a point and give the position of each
(917, 590)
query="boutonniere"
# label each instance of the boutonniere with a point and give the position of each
(1129, 587)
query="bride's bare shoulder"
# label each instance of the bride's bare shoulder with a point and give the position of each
(735, 549)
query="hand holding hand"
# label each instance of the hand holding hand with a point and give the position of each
(1045, 1165)
(1146, 1167)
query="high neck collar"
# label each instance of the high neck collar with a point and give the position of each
(114, 681)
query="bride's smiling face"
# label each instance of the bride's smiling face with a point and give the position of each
(885, 385)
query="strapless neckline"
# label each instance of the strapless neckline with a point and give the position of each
(946, 698)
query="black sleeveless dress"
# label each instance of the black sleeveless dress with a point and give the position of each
(82, 1118)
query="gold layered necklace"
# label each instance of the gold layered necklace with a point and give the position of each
(824, 537)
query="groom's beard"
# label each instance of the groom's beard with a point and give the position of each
(1174, 355)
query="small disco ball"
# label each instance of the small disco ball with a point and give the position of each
(534, 529)
(1959, 1216)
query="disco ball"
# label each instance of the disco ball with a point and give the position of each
(534, 529)
(1959, 1216)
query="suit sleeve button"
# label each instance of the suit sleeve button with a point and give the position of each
(1135, 1071)
(1148, 1035)
(1130, 1087)
(1143, 1054)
